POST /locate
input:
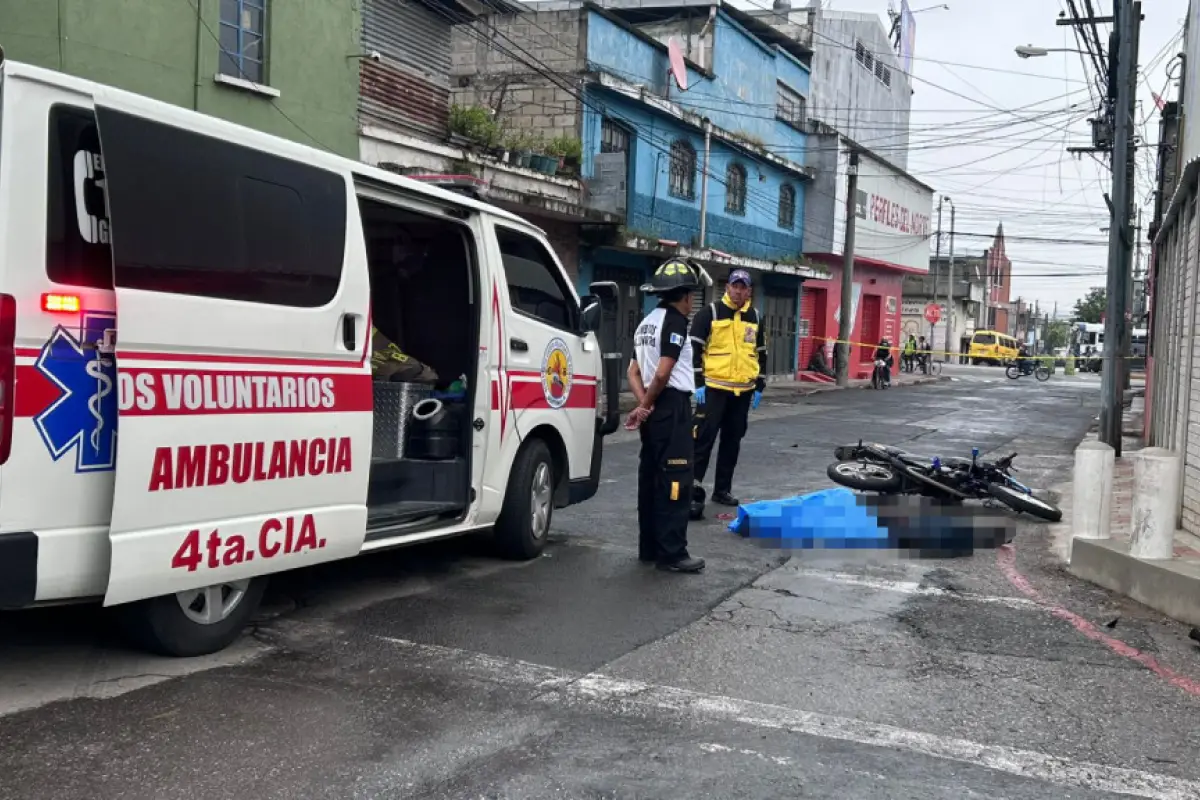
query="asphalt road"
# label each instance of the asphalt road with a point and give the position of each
(441, 673)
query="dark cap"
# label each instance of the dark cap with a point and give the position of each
(740, 276)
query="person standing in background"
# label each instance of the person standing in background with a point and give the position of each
(729, 353)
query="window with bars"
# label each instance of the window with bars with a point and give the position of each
(735, 189)
(613, 137)
(790, 106)
(243, 39)
(787, 206)
(683, 170)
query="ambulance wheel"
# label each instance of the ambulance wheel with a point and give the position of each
(197, 622)
(524, 522)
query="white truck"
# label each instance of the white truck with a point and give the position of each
(186, 394)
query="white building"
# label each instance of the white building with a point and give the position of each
(858, 84)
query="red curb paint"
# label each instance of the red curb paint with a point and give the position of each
(1006, 559)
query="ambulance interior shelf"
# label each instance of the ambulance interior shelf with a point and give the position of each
(422, 299)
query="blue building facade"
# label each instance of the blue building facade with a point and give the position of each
(750, 97)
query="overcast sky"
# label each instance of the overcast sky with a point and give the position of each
(982, 137)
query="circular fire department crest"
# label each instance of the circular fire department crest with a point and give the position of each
(557, 373)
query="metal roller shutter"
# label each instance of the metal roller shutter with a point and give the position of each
(410, 87)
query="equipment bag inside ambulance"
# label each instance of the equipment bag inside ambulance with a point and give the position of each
(188, 393)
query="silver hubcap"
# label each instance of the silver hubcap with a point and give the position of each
(540, 501)
(859, 470)
(212, 604)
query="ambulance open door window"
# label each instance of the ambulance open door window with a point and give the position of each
(78, 251)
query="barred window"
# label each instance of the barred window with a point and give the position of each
(787, 206)
(735, 189)
(683, 170)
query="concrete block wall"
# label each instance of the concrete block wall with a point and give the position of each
(501, 63)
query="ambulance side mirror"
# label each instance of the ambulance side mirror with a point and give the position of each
(606, 293)
(592, 315)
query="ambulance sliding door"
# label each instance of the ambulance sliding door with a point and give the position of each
(245, 394)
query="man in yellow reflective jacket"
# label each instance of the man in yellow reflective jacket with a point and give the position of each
(729, 357)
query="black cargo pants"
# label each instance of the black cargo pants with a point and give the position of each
(665, 478)
(728, 414)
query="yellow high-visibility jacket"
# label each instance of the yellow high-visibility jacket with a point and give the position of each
(729, 349)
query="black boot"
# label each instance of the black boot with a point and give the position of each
(696, 511)
(725, 498)
(686, 564)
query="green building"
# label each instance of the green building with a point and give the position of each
(286, 67)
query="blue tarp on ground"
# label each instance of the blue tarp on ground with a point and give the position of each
(834, 519)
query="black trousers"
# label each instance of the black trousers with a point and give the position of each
(665, 478)
(728, 414)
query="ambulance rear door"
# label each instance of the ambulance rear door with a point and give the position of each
(245, 394)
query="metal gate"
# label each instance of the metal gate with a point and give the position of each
(869, 335)
(780, 314)
(629, 308)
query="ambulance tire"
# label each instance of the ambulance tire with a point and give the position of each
(159, 624)
(515, 533)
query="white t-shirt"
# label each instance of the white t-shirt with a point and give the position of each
(664, 332)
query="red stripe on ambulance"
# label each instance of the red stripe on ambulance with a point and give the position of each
(166, 392)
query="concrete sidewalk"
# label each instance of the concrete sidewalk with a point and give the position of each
(787, 391)
(1171, 586)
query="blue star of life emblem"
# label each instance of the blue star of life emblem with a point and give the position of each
(84, 417)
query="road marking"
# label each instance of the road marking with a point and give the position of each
(1006, 559)
(713, 747)
(907, 587)
(633, 698)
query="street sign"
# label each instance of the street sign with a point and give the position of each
(932, 313)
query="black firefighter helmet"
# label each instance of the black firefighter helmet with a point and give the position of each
(672, 276)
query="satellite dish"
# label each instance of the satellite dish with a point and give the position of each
(678, 70)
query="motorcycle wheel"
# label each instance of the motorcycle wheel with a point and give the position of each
(864, 476)
(875, 379)
(1013, 372)
(1042, 373)
(1028, 504)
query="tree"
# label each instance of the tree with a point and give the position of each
(1058, 334)
(1092, 306)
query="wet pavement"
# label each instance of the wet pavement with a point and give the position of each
(439, 672)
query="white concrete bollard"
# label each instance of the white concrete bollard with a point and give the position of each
(1155, 503)
(1092, 507)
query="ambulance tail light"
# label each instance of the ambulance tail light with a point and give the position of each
(8, 371)
(61, 303)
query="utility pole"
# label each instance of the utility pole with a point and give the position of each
(937, 262)
(1131, 303)
(846, 321)
(1127, 19)
(950, 290)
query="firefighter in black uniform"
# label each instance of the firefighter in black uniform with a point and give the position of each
(661, 377)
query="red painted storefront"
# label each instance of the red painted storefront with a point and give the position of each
(879, 286)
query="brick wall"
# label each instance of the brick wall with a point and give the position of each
(491, 65)
(564, 238)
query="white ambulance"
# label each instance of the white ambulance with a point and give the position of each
(188, 406)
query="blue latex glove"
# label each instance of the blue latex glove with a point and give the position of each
(754, 401)
(700, 395)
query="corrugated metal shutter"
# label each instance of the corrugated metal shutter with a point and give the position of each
(410, 87)
(808, 323)
(1190, 433)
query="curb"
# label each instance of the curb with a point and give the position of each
(1170, 587)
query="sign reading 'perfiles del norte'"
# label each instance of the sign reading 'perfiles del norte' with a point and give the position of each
(893, 214)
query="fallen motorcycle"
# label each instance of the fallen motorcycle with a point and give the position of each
(1039, 371)
(883, 469)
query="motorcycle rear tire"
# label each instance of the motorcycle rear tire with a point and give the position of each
(1013, 372)
(851, 475)
(1019, 501)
